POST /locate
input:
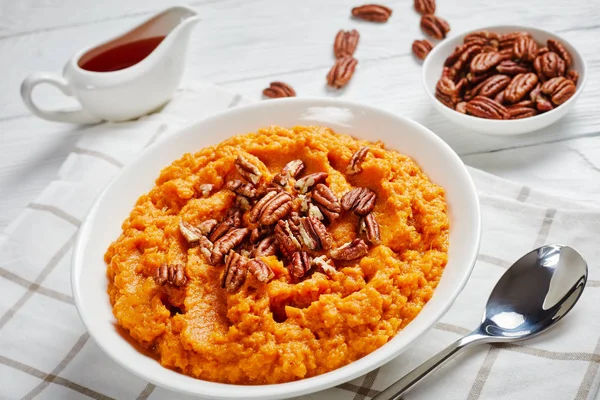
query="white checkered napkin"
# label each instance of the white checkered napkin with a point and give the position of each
(46, 353)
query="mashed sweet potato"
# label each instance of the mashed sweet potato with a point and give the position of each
(286, 329)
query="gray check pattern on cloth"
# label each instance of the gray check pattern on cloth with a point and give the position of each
(45, 351)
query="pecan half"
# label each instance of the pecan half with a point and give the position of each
(261, 270)
(484, 107)
(300, 264)
(445, 91)
(543, 104)
(205, 189)
(560, 89)
(345, 43)
(542, 50)
(466, 57)
(354, 167)
(340, 74)
(525, 48)
(207, 226)
(174, 275)
(461, 107)
(232, 221)
(226, 243)
(259, 233)
(435, 27)
(357, 248)
(279, 89)
(287, 239)
(483, 62)
(267, 247)
(508, 40)
(520, 86)
(260, 205)
(369, 226)
(535, 93)
(425, 6)
(241, 188)
(206, 247)
(558, 48)
(290, 170)
(492, 86)
(304, 184)
(361, 200)
(499, 98)
(325, 265)
(277, 208)
(483, 38)
(236, 269)
(247, 170)
(190, 232)
(421, 48)
(573, 76)
(372, 12)
(314, 235)
(509, 67)
(549, 65)
(243, 203)
(518, 112)
(326, 201)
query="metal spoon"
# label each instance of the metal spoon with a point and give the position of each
(532, 295)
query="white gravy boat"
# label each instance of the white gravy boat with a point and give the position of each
(121, 93)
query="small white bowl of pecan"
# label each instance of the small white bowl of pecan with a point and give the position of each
(504, 80)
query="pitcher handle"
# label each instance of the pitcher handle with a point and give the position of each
(77, 116)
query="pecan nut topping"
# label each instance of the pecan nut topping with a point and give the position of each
(484, 107)
(559, 89)
(354, 167)
(243, 189)
(421, 48)
(259, 233)
(518, 112)
(520, 86)
(300, 264)
(174, 275)
(435, 27)
(260, 205)
(372, 12)
(304, 184)
(206, 247)
(226, 243)
(345, 43)
(267, 247)
(279, 89)
(484, 62)
(247, 170)
(236, 269)
(340, 74)
(190, 232)
(290, 170)
(425, 6)
(277, 208)
(234, 220)
(370, 227)
(207, 226)
(325, 265)
(558, 48)
(327, 202)
(261, 270)
(361, 200)
(549, 65)
(525, 48)
(357, 248)
(509, 67)
(287, 239)
(314, 235)
(205, 189)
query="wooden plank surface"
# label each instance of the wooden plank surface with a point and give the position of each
(243, 45)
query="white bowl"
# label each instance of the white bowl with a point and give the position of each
(432, 71)
(103, 225)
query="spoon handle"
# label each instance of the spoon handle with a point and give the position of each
(402, 385)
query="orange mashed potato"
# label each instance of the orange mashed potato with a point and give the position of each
(283, 330)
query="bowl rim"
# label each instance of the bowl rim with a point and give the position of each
(466, 118)
(353, 370)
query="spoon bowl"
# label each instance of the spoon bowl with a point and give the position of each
(537, 291)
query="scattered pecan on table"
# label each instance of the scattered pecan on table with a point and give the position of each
(421, 48)
(340, 74)
(279, 89)
(425, 6)
(506, 76)
(345, 43)
(372, 12)
(434, 26)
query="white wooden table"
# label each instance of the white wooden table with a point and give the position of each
(243, 45)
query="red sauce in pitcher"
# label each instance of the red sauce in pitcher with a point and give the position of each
(123, 56)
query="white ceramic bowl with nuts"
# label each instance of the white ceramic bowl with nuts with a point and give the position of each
(434, 65)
